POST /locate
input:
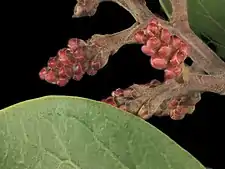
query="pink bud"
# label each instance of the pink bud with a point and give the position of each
(177, 70)
(63, 58)
(109, 100)
(176, 42)
(169, 74)
(140, 37)
(184, 49)
(78, 58)
(62, 72)
(42, 73)
(147, 50)
(117, 92)
(78, 69)
(149, 30)
(62, 82)
(158, 63)
(175, 115)
(68, 71)
(50, 77)
(91, 72)
(95, 65)
(172, 72)
(165, 36)
(165, 52)
(78, 72)
(52, 62)
(172, 103)
(177, 58)
(73, 44)
(77, 77)
(153, 20)
(79, 55)
(153, 43)
(153, 29)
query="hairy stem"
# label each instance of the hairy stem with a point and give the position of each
(137, 9)
(179, 16)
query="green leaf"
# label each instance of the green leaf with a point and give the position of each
(59, 132)
(207, 18)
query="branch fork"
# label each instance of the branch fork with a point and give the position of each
(176, 96)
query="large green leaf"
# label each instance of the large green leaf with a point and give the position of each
(59, 132)
(207, 18)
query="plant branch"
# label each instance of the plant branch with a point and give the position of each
(196, 83)
(137, 8)
(179, 18)
(199, 52)
(100, 47)
(148, 100)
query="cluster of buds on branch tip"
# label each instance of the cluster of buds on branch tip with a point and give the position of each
(133, 100)
(167, 51)
(70, 63)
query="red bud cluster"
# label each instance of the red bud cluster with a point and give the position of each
(120, 97)
(178, 109)
(70, 62)
(167, 51)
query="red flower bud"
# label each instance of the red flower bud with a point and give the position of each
(147, 50)
(109, 100)
(172, 104)
(42, 73)
(117, 92)
(52, 62)
(73, 44)
(62, 72)
(91, 72)
(153, 20)
(154, 29)
(63, 58)
(177, 58)
(68, 71)
(153, 43)
(50, 77)
(149, 30)
(78, 69)
(165, 52)
(169, 74)
(77, 77)
(158, 63)
(176, 116)
(165, 36)
(95, 65)
(176, 42)
(78, 58)
(140, 37)
(184, 49)
(62, 82)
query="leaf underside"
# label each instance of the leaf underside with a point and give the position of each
(206, 18)
(60, 132)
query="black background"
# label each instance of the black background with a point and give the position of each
(36, 30)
